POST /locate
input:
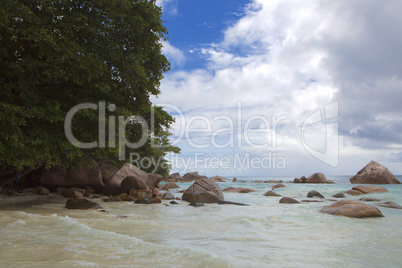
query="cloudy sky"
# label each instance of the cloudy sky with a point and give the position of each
(284, 88)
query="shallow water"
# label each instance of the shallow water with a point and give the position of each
(264, 234)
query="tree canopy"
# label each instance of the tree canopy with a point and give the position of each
(56, 54)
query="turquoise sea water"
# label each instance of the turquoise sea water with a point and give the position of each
(264, 234)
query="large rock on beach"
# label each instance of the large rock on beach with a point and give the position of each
(204, 191)
(138, 179)
(89, 175)
(132, 182)
(81, 203)
(351, 208)
(374, 173)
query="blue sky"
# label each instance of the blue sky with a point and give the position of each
(283, 88)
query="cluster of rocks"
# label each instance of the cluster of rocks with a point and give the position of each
(315, 178)
(192, 176)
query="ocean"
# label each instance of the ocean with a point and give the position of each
(41, 232)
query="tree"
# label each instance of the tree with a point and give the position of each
(56, 54)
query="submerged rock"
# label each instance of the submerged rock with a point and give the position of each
(369, 199)
(81, 203)
(351, 208)
(219, 179)
(366, 189)
(339, 195)
(196, 204)
(374, 173)
(389, 205)
(280, 185)
(238, 190)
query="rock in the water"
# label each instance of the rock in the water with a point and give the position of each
(169, 185)
(280, 185)
(174, 203)
(366, 189)
(155, 200)
(219, 179)
(318, 178)
(142, 201)
(353, 192)
(351, 208)
(288, 200)
(204, 191)
(238, 190)
(175, 177)
(168, 196)
(369, 199)
(302, 179)
(271, 193)
(234, 180)
(86, 176)
(374, 173)
(81, 203)
(339, 195)
(193, 176)
(389, 205)
(314, 193)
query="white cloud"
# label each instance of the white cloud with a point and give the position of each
(168, 6)
(290, 58)
(173, 54)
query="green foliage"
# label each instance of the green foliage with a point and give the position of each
(56, 54)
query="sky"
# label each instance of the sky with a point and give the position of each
(283, 87)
